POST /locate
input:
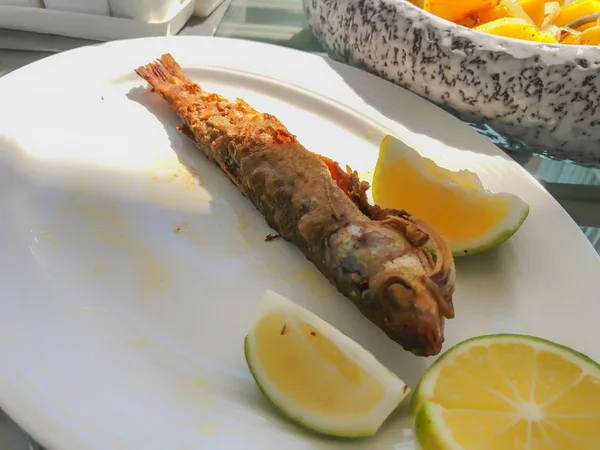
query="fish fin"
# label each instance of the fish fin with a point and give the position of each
(185, 130)
(349, 182)
(444, 273)
(164, 74)
(155, 74)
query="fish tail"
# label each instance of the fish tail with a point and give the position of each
(168, 80)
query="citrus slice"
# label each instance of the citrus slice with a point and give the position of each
(516, 29)
(504, 392)
(317, 376)
(455, 204)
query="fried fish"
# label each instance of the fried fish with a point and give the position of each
(375, 257)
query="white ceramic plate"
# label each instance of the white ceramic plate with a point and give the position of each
(128, 280)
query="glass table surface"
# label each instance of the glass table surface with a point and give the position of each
(282, 22)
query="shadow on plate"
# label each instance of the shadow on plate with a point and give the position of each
(379, 93)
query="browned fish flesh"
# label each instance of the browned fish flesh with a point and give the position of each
(377, 258)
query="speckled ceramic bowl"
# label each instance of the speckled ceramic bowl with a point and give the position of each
(545, 96)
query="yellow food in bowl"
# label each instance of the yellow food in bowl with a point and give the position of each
(532, 20)
(518, 29)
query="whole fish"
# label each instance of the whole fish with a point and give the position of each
(374, 257)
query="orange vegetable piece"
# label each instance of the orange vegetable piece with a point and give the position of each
(574, 38)
(516, 29)
(534, 9)
(591, 36)
(494, 13)
(570, 39)
(587, 25)
(469, 21)
(576, 10)
(454, 10)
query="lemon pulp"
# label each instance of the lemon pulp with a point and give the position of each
(512, 392)
(464, 178)
(455, 204)
(317, 376)
(439, 206)
(311, 371)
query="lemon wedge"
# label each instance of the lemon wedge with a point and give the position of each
(317, 376)
(502, 392)
(455, 204)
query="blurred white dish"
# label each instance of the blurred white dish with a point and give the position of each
(147, 10)
(99, 7)
(204, 8)
(90, 26)
(27, 3)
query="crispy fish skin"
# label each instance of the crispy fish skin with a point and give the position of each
(380, 265)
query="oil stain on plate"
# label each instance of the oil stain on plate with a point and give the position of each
(111, 226)
(194, 390)
(141, 341)
(175, 185)
(47, 239)
(208, 427)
